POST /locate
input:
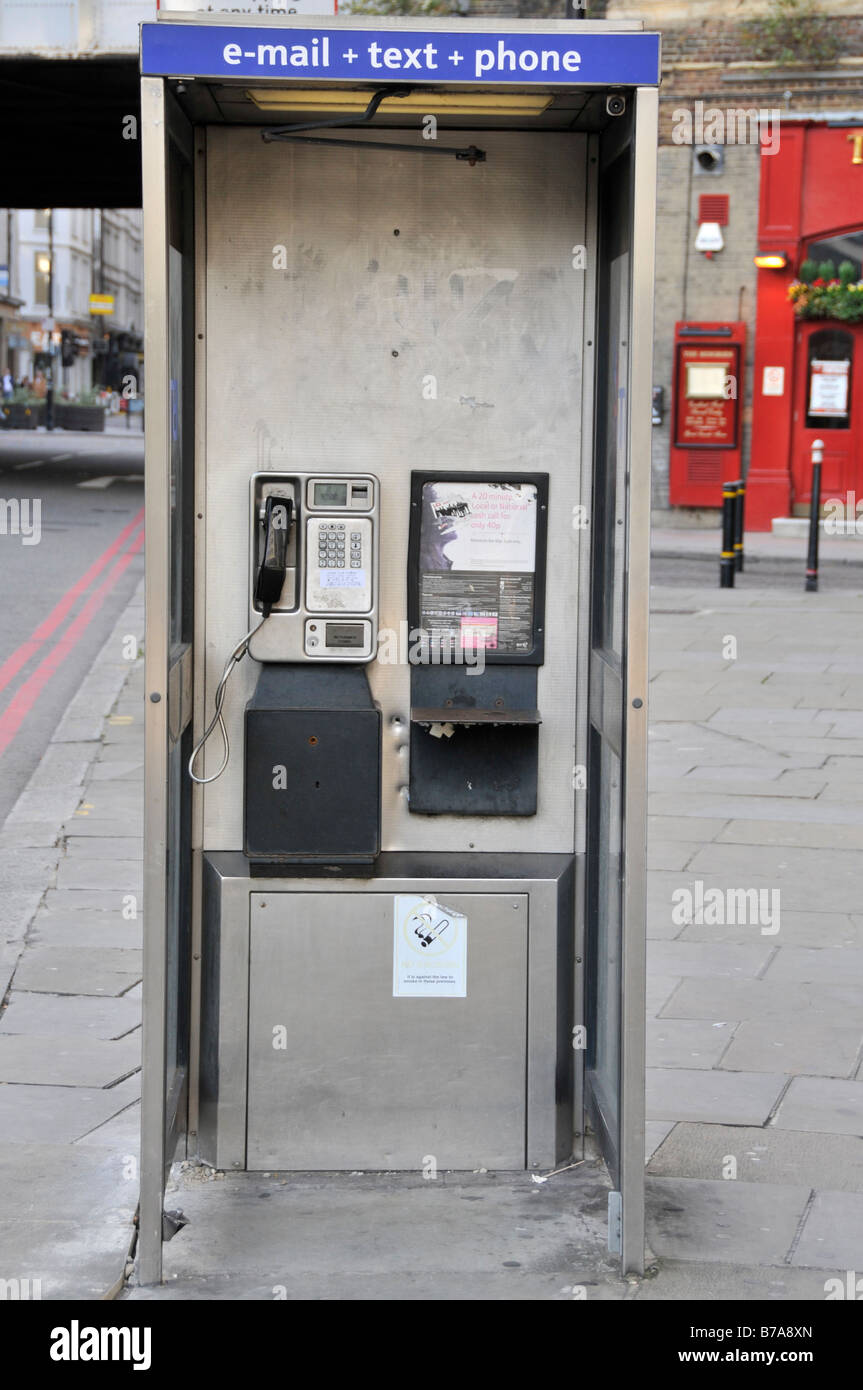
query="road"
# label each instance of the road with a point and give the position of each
(71, 555)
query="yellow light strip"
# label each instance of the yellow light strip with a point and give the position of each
(344, 102)
(772, 260)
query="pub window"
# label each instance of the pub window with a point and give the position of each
(828, 380)
(848, 246)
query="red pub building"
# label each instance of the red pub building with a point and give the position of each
(808, 381)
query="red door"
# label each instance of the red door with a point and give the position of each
(828, 405)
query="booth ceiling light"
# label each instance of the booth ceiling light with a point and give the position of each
(345, 101)
(771, 260)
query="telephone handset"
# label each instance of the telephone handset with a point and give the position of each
(314, 557)
(274, 560)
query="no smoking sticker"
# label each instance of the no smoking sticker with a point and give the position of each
(429, 949)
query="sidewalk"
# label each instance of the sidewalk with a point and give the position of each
(762, 549)
(755, 1087)
(70, 871)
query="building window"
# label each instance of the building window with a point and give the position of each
(41, 219)
(41, 277)
(828, 388)
(836, 249)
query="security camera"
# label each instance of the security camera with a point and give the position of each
(615, 106)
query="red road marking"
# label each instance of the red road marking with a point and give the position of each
(19, 658)
(24, 698)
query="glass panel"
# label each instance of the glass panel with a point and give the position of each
(609, 499)
(175, 348)
(828, 380)
(604, 938)
(847, 247)
(614, 540)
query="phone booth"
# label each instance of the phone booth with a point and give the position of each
(399, 331)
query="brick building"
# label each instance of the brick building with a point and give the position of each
(737, 56)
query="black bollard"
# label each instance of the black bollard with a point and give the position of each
(814, 512)
(739, 501)
(726, 563)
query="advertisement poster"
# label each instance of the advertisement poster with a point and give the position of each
(828, 389)
(477, 564)
(429, 950)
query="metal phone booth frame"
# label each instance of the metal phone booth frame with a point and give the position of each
(450, 311)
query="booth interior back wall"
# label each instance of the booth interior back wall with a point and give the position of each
(376, 311)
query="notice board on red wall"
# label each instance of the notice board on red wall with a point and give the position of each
(707, 393)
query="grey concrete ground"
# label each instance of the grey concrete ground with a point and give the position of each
(755, 1016)
(70, 873)
(755, 1172)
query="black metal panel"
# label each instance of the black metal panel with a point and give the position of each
(481, 769)
(312, 766)
(71, 146)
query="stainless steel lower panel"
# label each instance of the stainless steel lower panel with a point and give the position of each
(309, 1062)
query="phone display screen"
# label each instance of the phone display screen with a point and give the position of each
(331, 494)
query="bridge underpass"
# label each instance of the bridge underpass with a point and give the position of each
(67, 133)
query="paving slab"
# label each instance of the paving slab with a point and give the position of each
(109, 901)
(672, 854)
(822, 1105)
(810, 1044)
(811, 929)
(731, 1222)
(65, 1218)
(822, 963)
(660, 989)
(68, 1061)
(724, 999)
(689, 1043)
(96, 827)
(17, 910)
(733, 1098)
(695, 1281)
(794, 834)
(78, 970)
(129, 770)
(681, 828)
(29, 835)
(126, 847)
(28, 868)
(122, 1133)
(105, 872)
(664, 705)
(103, 930)
(832, 1235)
(783, 864)
(709, 959)
(51, 1015)
(714, 803)
(61, 1114)
(762, 1155)
(655, 1134)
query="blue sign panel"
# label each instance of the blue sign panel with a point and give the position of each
(400, 55)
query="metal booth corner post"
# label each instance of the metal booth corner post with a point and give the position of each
(157, 586)
(635, 715)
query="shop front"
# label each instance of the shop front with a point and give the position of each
(809, 334)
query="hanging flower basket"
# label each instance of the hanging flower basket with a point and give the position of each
(822, 292)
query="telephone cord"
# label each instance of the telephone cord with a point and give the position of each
(233, 660)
